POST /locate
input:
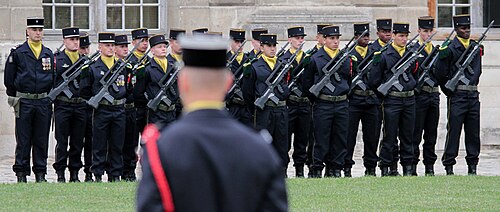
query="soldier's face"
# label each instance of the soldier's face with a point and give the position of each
(425, 33)
(364, 40)
(384, 35)
(159, 50)
(321, 39)
(400, 39)
(235, 45)
(296, 41)
(332, 42)
(268, 49)
(35, 33)
(256, 45)
(463, 31)
(121, 50)
(71, 44)
(143, 46)
(84, 50)
(175, 47)
(107, 49)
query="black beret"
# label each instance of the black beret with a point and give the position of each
(426, 22)
(359, 28)
(139, 33)
(384, 23)
(157, 39)
(331, 31)
(270, 39)
(84, 40)
(106, 37)
(296, 31)
(401, 28)
(121, 39)
(461, 20)
(34, 22)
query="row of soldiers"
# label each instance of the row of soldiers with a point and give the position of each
(114, 92)
(392, 85)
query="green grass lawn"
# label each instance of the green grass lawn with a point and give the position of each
(456, 193)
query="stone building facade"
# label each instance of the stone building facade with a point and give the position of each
(219, 15)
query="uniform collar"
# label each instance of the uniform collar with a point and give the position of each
(203, 105)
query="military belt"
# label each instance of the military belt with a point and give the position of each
(76, 100)
(430, 89)
(298, 99)
(31, 95)
(467, 87)
(129, 105)
(272, 104)
(403, 94)
(165, 108)
(331, 98)
(363, 93)
(114, 103)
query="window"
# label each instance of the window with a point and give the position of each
(132, 14)
(446, 9)
(59, 14)
(491, 13)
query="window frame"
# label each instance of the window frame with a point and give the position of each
(475, 11)
(71, 5)
(141, 5)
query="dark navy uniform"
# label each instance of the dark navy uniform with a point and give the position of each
(398, 109)
(70, 115)
(205, 142)
(274, 117)
(109, 119)
(299, 115)
(30, 79)
(236, 105)
(426, 110)
(89, 111)
(463, 103)
(330, 114)
(364, 107)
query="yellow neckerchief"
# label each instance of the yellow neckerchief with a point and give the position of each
(318, 46)
(400, 50)
(163, 62)
(108, 61)
(271, 61)
(255, 52)
(177, 57)
(382, 43)
(138, 54)
(299, 55)
(331, 52)
(428, 47)
(36, 47)
(464, 41)
(200, 105)
(73, 55)
(239, 58)
(362, 50)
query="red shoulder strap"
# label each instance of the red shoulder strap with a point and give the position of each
(150, 137)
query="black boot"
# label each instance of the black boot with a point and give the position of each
(449, 170)
(370, 171)
(328, 171)
(299, 171)
(347, 172)
(393, 171)
(429, 170)
(22, 179)
(40, 177)
(414, 170)
(315, 173)
(408, 170)
(384, 171)
(112, 179)
(98, 178)
(73, 177)
(88, 177)
(337, 173)
(60, 177)
(472, 170)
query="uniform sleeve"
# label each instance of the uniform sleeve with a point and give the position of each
(308, 78)
(140, 87)
(443, 65)
(10, 73)
(248, 86)
(86, 80)
(148, 197)
(376, 73)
